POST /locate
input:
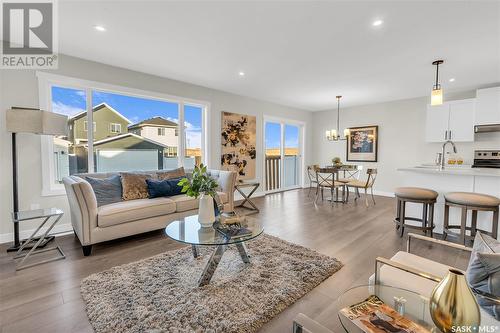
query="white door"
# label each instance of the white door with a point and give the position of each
(126, 160)
(437, 123)
(462, 121)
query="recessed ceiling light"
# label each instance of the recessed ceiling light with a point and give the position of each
(241, 73)
(99, 28)
(452, 79)
(377, 23)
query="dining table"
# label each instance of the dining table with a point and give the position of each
(349, 171)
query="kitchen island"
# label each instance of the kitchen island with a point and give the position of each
(452, 179)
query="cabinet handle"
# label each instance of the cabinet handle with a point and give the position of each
(449, 135)
(445, 135)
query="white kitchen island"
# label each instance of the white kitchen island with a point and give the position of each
(452, 179)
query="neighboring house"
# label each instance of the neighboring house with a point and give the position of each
(107, 123)
(126, 152)
(159, 130)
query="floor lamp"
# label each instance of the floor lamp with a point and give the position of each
(25, 120)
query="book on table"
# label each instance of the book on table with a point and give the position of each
(233, 231)
(374, 316)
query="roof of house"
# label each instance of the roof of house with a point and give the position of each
(97, 108)
(155, 121)
(125, 135)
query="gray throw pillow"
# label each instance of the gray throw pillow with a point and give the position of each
(107, 190)
(483, 272)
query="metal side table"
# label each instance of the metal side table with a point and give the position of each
(49, 217)
(246, 197)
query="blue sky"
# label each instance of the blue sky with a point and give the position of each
(70, 102)
(273, 134)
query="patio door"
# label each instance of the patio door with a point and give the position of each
(283, 154)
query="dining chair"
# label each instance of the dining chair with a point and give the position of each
(325, 179)
(311, 174)
(350, 172)
(364, 184)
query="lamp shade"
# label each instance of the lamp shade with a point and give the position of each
(437, 96)
(36, 121)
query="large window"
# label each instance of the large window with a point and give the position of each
(126, 130)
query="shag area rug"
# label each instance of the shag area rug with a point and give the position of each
(160, 294)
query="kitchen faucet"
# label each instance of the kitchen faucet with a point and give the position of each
(441, 165)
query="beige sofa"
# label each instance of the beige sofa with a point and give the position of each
(93, 224)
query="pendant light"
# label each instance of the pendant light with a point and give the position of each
(437, 92)
(334, 134)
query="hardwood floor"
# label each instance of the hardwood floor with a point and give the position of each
(46, 298)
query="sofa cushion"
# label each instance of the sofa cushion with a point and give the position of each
(134, 185)
(106, 190)
(171, 174)
(184, 203)
(163, 188)
(132, 210)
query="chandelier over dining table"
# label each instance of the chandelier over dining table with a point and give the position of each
(334, 134)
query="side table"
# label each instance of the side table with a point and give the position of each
(254, 186)
(49, 217)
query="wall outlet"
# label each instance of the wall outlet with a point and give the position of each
(34, 206)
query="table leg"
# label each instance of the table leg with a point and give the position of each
(246, 198)
(33, 249)
(211, 265)
(242, 249)
(195, 251)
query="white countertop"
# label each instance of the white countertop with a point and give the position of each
(460, 171)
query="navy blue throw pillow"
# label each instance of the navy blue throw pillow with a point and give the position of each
(163, 188)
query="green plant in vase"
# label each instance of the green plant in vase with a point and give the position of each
(201, 186)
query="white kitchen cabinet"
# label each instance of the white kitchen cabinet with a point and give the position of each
(488, 106)
(438, 118)
(461, 126)
(452, 120)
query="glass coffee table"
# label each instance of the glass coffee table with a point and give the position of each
(189, 231)
(415, 308)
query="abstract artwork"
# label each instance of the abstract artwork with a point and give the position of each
(362, 144)
(238, 135)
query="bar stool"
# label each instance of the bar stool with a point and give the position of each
(474, 202)
(417, 195)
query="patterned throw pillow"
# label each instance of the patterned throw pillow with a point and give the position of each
(483, 272)
(134, 185)
(171, 174)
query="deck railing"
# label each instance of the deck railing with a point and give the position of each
(273, 166)
(273, 169)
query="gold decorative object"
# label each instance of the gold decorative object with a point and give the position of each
(453, 306)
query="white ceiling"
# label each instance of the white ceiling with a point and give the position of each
(300, 54)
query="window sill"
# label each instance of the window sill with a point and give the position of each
(53, 192)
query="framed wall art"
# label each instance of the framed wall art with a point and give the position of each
(362, 144)
(238, 139)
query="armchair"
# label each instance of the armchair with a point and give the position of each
(409, 271)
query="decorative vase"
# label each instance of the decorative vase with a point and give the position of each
(453, 306)
(206, 214)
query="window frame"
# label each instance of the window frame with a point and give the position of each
(47, 80)
(119, 126)
(162, 131)
(86, 125)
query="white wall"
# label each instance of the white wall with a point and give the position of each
(20, 88)
(401, 137)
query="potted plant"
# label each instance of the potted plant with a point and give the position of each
(203, 186)
(336, 161)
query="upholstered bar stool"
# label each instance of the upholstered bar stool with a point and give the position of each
(423, 196)
(474, 202)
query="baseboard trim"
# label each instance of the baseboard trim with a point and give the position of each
(375, 192)
(58, 230)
